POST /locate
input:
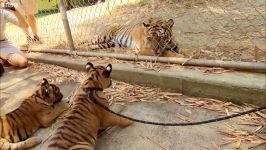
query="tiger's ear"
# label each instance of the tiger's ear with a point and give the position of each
(109, 68)
(89, 66)
(170, 23)
(146, 25)
(45, 87)
(148, 22)
(45, 81)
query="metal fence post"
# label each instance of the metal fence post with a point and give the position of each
(62, 9)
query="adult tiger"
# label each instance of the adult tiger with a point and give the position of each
(81, 124)
(150, 37)
(39, 110)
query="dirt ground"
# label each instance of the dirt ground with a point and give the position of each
(144, 103)
(223, 29)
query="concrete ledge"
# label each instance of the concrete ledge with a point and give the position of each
(238, 87)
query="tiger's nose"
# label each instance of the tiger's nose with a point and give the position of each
(176, 49)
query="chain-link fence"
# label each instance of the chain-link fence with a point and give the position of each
(211, 29)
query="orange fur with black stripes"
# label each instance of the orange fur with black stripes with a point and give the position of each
(38, 110)
(81, 124)
(150, 37)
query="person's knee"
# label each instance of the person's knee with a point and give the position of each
(31, 17)
(18, 60)
(23, 62)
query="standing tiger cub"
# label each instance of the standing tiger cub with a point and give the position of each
(37, 111)
(81, 124)
(150, 37)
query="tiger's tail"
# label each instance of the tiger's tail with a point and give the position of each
(29, 143)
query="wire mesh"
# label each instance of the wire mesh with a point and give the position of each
(90, 20)
(210, 29)
(49, 27)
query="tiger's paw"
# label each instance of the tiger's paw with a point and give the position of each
(33, 141)
(186, 52)
(126, 122)
(171, 54)
(63, 106)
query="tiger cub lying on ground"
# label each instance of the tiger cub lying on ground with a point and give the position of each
(81, 124)
(150, 37)
(37, 111)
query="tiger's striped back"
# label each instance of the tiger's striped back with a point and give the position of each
(77, 126)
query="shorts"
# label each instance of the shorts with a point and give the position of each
(26, 7)
(7, 48)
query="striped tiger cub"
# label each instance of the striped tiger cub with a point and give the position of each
(150, 37)
(38, 110)
(82, 122)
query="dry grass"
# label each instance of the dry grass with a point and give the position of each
(236, 137)
(57, 74)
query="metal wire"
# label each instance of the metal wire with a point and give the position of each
(97, 102)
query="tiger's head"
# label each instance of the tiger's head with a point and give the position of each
(159, 35)
(50, 93)
(98, 77)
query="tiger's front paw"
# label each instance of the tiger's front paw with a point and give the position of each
(126, 122)
(171, 54)
(63, 106)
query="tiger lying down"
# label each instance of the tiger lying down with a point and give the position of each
(81, 124)
(150, 37)
(39, 110)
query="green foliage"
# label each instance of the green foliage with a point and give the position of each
(52, 4)
(46, 4)
(79, 3)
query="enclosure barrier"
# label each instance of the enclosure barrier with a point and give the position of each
(62, 9)
(247, 66)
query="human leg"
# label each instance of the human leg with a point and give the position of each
(30, 8)
(34, 29)
(33, 26)
(32, 23)
(12, 55)
(17, 60)
(21, 15)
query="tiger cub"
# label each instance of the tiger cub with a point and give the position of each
(150, 37)
(81, 124)
(36, 111)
